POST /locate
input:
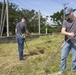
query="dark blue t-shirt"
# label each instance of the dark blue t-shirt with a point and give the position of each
(21, 28)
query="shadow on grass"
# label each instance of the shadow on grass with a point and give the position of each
(47, 71)
(31, 53)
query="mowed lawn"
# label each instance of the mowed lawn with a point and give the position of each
(41, 49)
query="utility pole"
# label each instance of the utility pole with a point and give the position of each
(7, 19)
(39, 20)
(64, 10)
(2, 15)
(3, 23)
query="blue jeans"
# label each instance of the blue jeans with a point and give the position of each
(65, 51)
(20, 46)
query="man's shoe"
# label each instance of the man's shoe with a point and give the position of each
(21, 59)
(59, 73)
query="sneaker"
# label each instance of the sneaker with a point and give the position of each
(22, 59)
(59, 73)
(73, 70)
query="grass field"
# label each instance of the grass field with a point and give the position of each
(42, 49)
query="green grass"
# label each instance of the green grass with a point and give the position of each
(42, 48)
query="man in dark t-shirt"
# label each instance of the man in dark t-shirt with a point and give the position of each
(21, 28)
(69, 30)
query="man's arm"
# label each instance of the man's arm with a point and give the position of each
(63, 31)
(16, 31)
(28, 33)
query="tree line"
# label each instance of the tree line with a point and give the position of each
(15, 15)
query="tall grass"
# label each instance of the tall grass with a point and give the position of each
(42, 48)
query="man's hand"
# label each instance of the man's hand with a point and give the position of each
(71, 34)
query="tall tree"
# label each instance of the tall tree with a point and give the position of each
(57, 17)
(15, 15)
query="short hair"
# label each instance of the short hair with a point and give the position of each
(24, 18)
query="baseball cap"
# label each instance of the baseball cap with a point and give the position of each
(69, 10)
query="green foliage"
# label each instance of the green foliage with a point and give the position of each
(43, 29)
(50, 29)
(15, 15)
(57, 17)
